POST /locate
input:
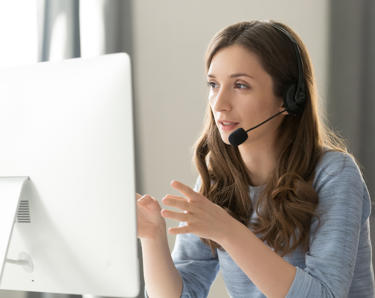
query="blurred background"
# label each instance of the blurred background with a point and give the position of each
(167, 39)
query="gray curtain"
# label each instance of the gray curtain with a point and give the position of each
(351, 101)
(61, 24)
(52, 16)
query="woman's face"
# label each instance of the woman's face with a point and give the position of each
(241, 92)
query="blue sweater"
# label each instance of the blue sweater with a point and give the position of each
(338, 263)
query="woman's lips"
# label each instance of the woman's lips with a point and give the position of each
(228, 127)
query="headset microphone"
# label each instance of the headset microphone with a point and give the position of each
(294, 97)
(239, 136)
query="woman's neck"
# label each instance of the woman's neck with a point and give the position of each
(260, 161)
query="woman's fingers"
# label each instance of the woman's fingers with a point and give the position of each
(139, 197)
(148, 202)
(175, 215)
(184, 189)
(175, 201)
(145, 199)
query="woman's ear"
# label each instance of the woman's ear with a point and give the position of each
(285, 113)
(282, 108)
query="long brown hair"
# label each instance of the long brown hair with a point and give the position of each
(288, 201)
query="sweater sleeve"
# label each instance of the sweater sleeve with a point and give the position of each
(196, 264)
(343, 208)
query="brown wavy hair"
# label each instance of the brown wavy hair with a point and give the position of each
(288, 201)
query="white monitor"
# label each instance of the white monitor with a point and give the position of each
(67, 178)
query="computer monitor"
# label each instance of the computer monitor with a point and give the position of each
(67, 170)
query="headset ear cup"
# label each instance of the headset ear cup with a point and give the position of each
(289, 101)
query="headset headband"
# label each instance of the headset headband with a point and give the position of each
(299, 96)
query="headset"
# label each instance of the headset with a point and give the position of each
(295, 95)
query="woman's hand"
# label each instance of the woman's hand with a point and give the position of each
(203, 217)
(149, 221)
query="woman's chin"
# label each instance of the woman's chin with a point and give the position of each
(225, 139)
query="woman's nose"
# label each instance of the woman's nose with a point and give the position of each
(222, 101)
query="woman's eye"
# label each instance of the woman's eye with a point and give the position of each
(241, 86)
(211, 84)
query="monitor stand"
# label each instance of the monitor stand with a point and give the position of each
(10, 193)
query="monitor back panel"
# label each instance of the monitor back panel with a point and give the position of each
(69, 127)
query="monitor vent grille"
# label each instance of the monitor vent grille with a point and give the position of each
(23, 212)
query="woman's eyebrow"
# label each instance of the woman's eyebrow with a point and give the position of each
(235, 75)
(241, 75)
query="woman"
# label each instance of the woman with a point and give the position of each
(283, 213)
